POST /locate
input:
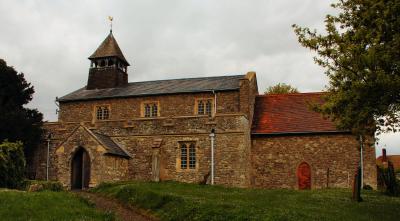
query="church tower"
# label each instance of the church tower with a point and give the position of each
(108, 68)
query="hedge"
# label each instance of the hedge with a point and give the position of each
(42, 185)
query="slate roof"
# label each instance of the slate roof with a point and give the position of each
(112, 147)
(160, 87)
(109, 48)
(289, 113)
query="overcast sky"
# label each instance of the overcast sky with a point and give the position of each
(50, 40)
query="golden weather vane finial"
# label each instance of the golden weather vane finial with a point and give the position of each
(111, 20)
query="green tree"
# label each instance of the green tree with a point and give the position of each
(18, 123)
(281, 88)
(360, 52)
(12, 164)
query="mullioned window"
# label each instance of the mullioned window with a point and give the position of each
(204, 107)
(102, 112)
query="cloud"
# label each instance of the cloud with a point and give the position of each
(50, 40)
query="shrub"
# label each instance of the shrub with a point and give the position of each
(367, 187)
(39, 185)
(12, 164)
(387, 179)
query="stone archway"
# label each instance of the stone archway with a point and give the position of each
(80, 169)
(304, 176)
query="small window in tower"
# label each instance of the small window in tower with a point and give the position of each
(102, 63)
(103, 113)
(110, 62)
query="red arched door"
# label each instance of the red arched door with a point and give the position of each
(304, 176)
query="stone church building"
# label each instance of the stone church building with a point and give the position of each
(111, 130)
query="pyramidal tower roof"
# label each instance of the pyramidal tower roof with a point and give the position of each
(109, 48)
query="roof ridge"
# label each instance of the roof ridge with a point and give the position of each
(194, 78)
(292, 94)
(160, 87)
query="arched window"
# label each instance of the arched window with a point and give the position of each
(154, 110)
(200, 107)
(110, 62)
(150, 109)
(205, 107)
(102, 63)
(147, 110)
(208, 108)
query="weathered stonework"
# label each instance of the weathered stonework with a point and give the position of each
(126, 145)
(333, 159)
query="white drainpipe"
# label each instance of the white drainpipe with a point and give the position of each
(212, 136)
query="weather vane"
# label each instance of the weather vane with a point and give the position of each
(111, 19)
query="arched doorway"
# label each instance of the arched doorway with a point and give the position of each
(80, 169)
(304, 176)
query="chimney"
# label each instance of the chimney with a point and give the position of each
(384, 158)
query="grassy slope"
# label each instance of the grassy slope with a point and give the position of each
(19, 205)
(176, 201)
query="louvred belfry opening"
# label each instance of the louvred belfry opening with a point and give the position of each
(108, 68)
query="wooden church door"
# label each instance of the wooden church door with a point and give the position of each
(80, 170)
(304, 176)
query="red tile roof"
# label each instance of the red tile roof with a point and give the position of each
(395, 159)
(289, 113)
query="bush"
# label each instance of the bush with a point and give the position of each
(387, 179)
(12, 164)
(39, 185)
(367, 187)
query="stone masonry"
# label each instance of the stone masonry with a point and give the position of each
(333, 159)
(253, 144)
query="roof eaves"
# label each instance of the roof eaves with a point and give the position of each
(298, 133)
(142, 95)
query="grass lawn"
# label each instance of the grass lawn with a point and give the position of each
(20, 205)
(178, 201)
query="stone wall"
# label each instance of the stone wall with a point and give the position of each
(137, 136)
(275, 160)
(130, 108)
(248, 93)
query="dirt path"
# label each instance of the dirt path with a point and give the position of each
(122, 212)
